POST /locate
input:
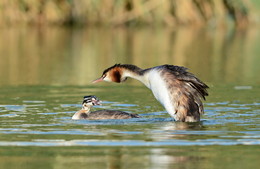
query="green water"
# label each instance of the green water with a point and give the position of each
(44, 73)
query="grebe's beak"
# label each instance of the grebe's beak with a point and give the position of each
(98, 80)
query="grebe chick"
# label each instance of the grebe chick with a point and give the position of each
(178, 90)
(90, 101)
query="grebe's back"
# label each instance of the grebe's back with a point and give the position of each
(111, 114)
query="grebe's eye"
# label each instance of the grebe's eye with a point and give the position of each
(103, 76)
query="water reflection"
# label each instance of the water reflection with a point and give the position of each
(120, 157)
(103, 157)
(62, 56)
(136, 157)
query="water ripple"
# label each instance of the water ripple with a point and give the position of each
(224, 123)
(205, 142)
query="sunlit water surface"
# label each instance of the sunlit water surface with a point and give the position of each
(38, 100)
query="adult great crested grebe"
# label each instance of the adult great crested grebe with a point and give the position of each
(178, 90)
(90, 101)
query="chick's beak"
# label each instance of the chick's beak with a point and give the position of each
(98, 80)
(96, 102)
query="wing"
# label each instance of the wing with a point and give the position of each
(186, 91)
(182, 74)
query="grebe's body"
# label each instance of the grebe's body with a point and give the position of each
(85, 112)
(179, 91)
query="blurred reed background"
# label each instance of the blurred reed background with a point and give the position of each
(60, 55)
(127, 12)
(94, 34)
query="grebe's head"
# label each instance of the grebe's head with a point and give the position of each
(112, 74)
(91, 100)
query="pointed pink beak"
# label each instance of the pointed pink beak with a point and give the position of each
(96, 102)
(98, 80)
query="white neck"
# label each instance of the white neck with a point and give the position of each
(142, 78)
(86, 108)
(78, 114)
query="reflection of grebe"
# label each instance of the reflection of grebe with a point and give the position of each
(90, 101)
(179, 91)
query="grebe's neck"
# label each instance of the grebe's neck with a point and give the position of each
(82, 114)
(86, 108)
(140, 75)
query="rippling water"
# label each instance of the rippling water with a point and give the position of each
(48, 120)
(37, 102)
(36, 128)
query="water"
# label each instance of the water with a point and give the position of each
(44, 76)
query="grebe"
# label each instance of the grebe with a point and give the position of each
(178, 90)
(90, 101)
